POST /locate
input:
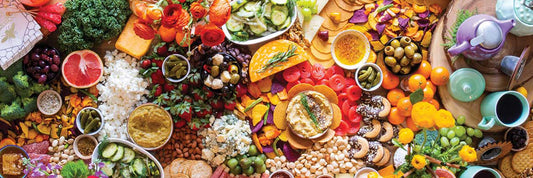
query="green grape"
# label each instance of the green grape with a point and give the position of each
(314, 9)
(461, 120)
(444, 142)
(454, 141)
(462, 137)
(451, 134)
(232, 163)
(470, 132)
(478, 133)
(468, 140)
(459, 131)
(312, 3)
(307, 13)
(462, 143)
(443, 131)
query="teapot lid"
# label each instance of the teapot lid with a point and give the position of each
(488, 35)
(524, 10)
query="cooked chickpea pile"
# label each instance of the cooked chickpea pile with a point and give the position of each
(62, 151)
(322, 159)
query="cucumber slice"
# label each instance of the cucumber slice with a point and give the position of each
(108, 168)
(234, 25)
(278, 17)
(283, 9)
(129, 154)
(139, 167)
(258, 27)
(286, 24)
(267, 10)
(109, 150)
(252, 6)
(119, 154)
(235, 5)
(154, 170)
(125, 173)
(244, 13)
(279, 2)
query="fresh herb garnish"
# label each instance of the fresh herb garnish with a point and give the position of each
(383, 8)
(311, 114)
(279, 58)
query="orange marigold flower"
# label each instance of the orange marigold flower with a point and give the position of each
(468, 154)
(444, 119)
(423, 114)
(405, 136)
(197, 10)
(418, 161)
(175, 16)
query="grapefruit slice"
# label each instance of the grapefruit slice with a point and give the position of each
(82, 69)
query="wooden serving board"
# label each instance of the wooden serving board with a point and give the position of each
(495, 80)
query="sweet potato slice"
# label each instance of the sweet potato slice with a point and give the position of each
(279, 115)
(297, 142)
(326, 137)
(299, 88)
(337, 116)
(328, 92)
(265, 84)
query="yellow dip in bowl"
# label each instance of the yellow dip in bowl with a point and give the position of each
(302, 110)
(150, 126)
(350, 49)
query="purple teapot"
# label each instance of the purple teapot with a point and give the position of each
(481, 37)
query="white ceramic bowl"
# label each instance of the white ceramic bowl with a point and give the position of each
(364, 41)
(282, 171)
(78, 124)
(135, 148)
(46, 92)
(182, 78)
(76, 150)
(264, 38)
(375, 68)
(151, 148)
(361, 172)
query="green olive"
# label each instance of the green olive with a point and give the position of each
(398, 52)
(409, 51)
(404, 61)
(417, 58)
(215, 70)
(390, 61)
(396, 68)
(415, 47)
(404, 41)
(233, 69)
(234, 78)
(405, 70)
(389, 50)
(395, 43)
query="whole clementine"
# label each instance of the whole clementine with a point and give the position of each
(167, 34)
(411, 124)
(428, 94)
(395, 117)
(394, 95)
(404, 106)
(390, 80)
(440, 76)
(435, 103)
(417, 81)
(424, 69)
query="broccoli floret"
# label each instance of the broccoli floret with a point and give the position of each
(29, 104)
(38, 88)
(13, 111)
(7, 91)
(11, 70)
(21, 81)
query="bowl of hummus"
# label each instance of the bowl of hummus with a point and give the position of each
(150, 126)
(309, 114)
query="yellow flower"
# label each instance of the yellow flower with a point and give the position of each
(468, 154)
(444, 119)
(418, 161)
(405, 136)
(423, 114)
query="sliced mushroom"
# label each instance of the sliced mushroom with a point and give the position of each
(376, 129)
(389, 132)
(386, 157)
(386, 107)
(361, 146)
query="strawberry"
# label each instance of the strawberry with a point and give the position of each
(162, 50)
(158, 62)
(157, 77)
(195, 126)
(229, 105)
(217, 104)
(145, 64)
(180, 124)
(195, 78)
(168, 87)
(198, 94)
(57, 8)
(158, 91)
(184, 88)
(187, 99)
(185, 111)
(209, 93)
(241, 90)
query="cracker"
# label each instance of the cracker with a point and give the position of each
(523, 159)
(505, 166)
(348, 7)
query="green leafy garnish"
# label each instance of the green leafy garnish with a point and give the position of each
(311, 114)
(416, 96)
(75, 169)
(279, 58)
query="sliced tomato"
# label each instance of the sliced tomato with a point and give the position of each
(353, 116)
(335, 69)
(342, 129)
(342, 97)
(318, 72)
(305, 69)
(350, 82)
(353, 128)
(354, 92)
(291, 84)
(323, 82)
(337, 82)
(346, 105)
(307, 80)
(291, 74)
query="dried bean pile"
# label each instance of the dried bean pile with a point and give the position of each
(183, 144)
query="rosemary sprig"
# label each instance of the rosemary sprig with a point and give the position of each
(279, 58)
(311, 114)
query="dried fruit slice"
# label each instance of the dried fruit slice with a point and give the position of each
(279, 115)
(297, 142)
(320, 56)
(348, 7)
(82, 69)
(326, 137)
(328, 92)
(299, 88)
(337, 116)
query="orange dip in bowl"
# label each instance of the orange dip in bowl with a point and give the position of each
(350, 49)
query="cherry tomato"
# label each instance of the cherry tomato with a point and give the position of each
(337, 82)
(342, 129)
(354, 92)
(318, 72)
(353, 128)
(334, 70)
(291, 74)
(353, 116)
(307, 80)
(305, 69)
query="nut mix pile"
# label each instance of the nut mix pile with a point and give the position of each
(183, 144)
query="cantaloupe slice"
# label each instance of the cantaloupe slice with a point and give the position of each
(297, 142)
(328, 92)
(267, 51)
(130, 43)
(337, 116)
(280, 114)
(299, 88)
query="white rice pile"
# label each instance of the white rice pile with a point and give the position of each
(121, 90)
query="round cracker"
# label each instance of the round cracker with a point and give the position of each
(328, 93)
(297, 142)
(333, 8)
(505, 166)
(523, 159)
(326, 137)
(319, 55)
(348, 7)
(326, 64)
(330, 25)
(321, 46)
(299, 88)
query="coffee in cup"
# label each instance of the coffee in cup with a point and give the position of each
(505, 108)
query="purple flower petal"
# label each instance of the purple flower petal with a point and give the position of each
(359, 16)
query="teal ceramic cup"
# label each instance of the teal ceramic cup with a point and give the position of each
(505, 108)
(479, 172)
